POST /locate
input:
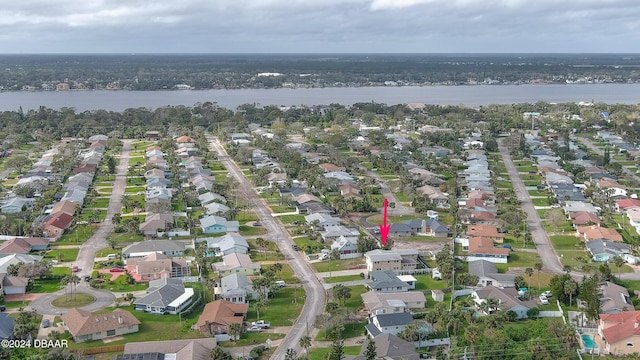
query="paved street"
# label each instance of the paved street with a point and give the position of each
(315, 296)
(399, 209)
(87, 253)
(587, 142)
(545, 250)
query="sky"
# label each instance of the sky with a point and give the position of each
(319, 26)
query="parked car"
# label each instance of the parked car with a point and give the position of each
(261, 324)
(3, 308)
(296, 248)
(547, 294)
(544, 300)
(254, 328)
(74, 269)
(280, 283)
(116, 269)
(87, 278)
(46, 323)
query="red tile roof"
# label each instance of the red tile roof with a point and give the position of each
(484, 230)
(584, 218)
(628, 203)
(620, 326)
(222, 312)
(482, 245)
(60, 221)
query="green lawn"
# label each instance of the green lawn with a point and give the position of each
(68, 254)
(335, 265)
(503, 184)
(77, 236)
(339, 279)
(102, 202)
(246, 230)
(283, 309)
(276, 209)
(60, 270)
(46, 286)
(106, 251)
(540, 202)
(566, 242)
(527, 169)
(350, 331)
(519, 259)
(71, 300)
(322, 353)
(287, 275)
(105, 191)
(287, 219)
(247, 339)
(153, 327)
(425, 282)
(355, 301)
(262, 255)
(402, 197)
(536, 193)
(120, 284)
(134, 189)
(308, 246)
(126, 237)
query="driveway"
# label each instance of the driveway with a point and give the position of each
(315, 296)
(545, 250)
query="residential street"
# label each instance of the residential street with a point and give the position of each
(586, 142)
(87, 253)
(545, 250)
(315, 295)
(399, 209)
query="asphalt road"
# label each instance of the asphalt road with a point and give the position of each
(547, 254)
(87, 253)
(399, 208)
(315, 295)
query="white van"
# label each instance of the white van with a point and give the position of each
(112, 257)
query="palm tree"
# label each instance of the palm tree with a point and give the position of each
(538, 267)
(290, 354)
(570, 287)
(75, 280)
(261, 302)
(567, 269)
(305, 342)
(493, 304)
(529, 272)
(472, 334)
(64, 282)
(618, 261)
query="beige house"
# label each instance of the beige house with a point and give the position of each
(236, 264)
(400, 261)
(85, 326)
(620, 332)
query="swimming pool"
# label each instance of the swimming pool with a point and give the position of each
(587, 339)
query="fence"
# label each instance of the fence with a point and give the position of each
(103, 349)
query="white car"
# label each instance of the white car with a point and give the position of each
(547, 294)
(544, 300)
(254, 328)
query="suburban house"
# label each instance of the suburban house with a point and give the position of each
(400, 230)
(155, 223)
(57, 224)
(584, 218)
(66, 207)
(237, 288)
(428, 227)
(400, 261)
(334, 232)
(144, 248)
(85, 326)
(350, 191)
(188, 349)
(213, 224)
(391, 347)
(218, 315)
(619, 332)
(488, 274)
(485, 231)
(579, 206)
(622, 206)
(165, 296)
(15, 205)
(593, 232)
(614, 298)
(386, 281)
(507, 297)
(236, 263)
(12, 285)
(347, 247)
(225, 245)
(209, 197)
(388, 323)
(323, 220)
(157, 266)
(215, 208)
(327, 167)
(634, 218)
(436, 197)
(483, 248)
(479, 217)
(377, 302)
(605, 251)
(15, 259)
(24, 245)
(6, 326)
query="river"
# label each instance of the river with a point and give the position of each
(472, 96)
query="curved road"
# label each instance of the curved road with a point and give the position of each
(87, 253)
(315, 295)
(399, 209)
(545, 250)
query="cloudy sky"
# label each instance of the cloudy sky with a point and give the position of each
(318, 26)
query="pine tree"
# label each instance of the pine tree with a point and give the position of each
(370, 353)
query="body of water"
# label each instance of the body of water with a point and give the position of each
(589, 343)
(472, 96)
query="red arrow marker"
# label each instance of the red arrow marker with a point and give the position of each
(384, 228)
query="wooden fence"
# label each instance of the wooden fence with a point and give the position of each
(102, 349)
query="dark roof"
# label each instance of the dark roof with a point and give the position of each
(146, 356)
(394, 319)
(385, 279)
(6, 326)
(397, 228)
(373, 330)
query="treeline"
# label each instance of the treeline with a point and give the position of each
(157, 72)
